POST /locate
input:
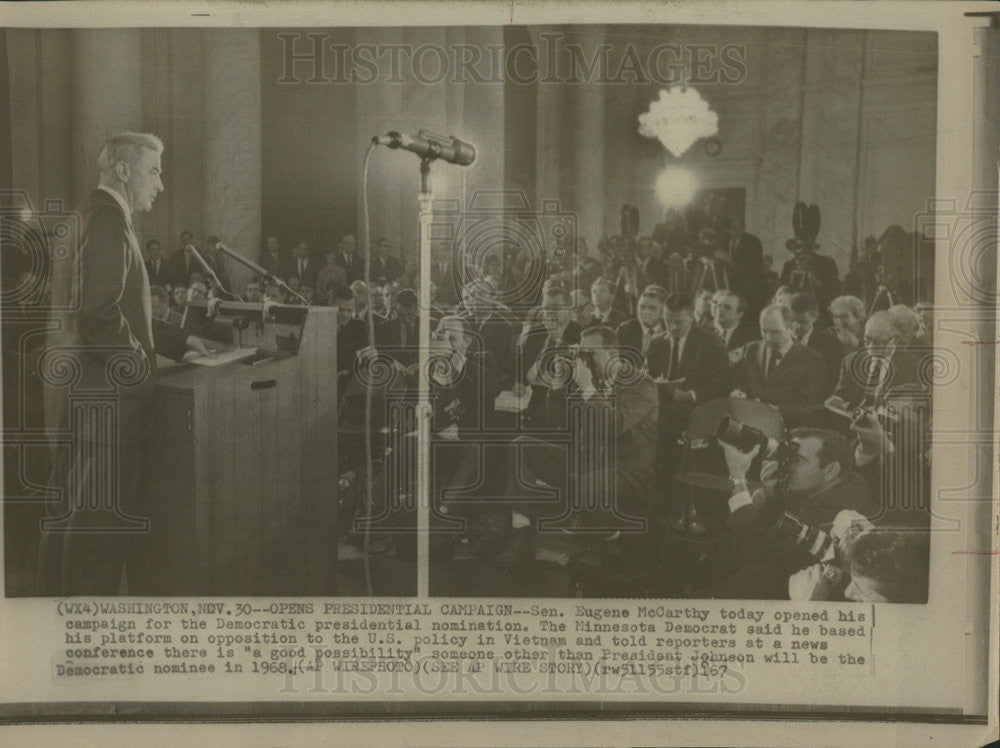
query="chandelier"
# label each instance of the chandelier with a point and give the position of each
(678, 118)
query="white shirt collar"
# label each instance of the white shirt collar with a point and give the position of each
(120, 200)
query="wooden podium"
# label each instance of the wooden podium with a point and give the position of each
(243, 475)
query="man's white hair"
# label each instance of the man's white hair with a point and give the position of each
(126, 146)
(852, 304)
(905, 321)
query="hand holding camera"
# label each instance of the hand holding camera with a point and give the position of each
(811, 583)
(738, 461)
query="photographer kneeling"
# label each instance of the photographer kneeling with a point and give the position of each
(811, 478)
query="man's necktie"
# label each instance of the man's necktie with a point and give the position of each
(775, 360)
(675, 359)
(646, 335)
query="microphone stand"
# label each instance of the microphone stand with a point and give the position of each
(424, 413)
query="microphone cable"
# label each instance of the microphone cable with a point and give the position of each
(370, 325)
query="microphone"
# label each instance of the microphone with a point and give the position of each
(204, 265)
(258, 270)
(241, 259)
(431, 146)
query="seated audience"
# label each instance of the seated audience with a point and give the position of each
(169, 338)
(603, 310)
(868, 374)
(779, 371)
(727, 313)
(253, 293)
(330, 276)
(492, 328)
(398, 337)
(805, 332)
(545, 465)
(848, 314)
(385, 268)
(538, 349)
(636, 333)
(906, 322)
(178, 296)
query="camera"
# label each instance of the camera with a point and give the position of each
(819, 544)
(745, 438)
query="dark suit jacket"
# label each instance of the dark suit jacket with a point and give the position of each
(794, 387)
(351, 338)
(826, 344)
(636, 413)
(271, 263)
(858, 382)
(180, 266)
(530, 348)
(389, 337)
(385, 269)
(495, 335)
(742, 335)
(765, 561)
(354, 266)
(630, 335)
(170, 340)
(159, 277)
(290, 270)
(615, 318)
(114, 316)
(444, 279)
(703, 364)
(468, 401)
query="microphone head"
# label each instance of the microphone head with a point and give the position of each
(465, 153)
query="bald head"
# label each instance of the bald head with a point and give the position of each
(774, 326)
(880, 335)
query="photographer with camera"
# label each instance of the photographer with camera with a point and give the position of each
(808, 474)
(869, 565)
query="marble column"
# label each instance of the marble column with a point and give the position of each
(232, 144)
(107, 96)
